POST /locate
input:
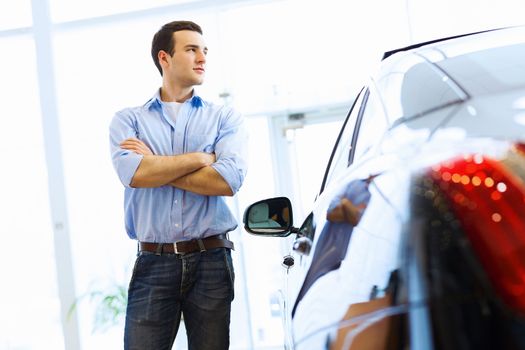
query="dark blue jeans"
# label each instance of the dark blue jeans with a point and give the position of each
(198, 286)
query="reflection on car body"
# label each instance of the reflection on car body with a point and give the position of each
(333, 240)
(417, 239)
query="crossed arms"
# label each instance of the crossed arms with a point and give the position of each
(190, 171)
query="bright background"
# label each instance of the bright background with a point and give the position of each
(66, 66)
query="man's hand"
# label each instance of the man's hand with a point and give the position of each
(136, 145)
(346, 211)
(206, 181)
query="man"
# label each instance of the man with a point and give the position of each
(178, 156)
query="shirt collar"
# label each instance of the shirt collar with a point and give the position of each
(195, 100)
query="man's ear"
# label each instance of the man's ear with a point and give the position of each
(162, 56)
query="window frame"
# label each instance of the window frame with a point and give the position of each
(363, 92)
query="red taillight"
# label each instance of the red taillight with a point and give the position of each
(489, 201)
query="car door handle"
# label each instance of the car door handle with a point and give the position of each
(302, 245)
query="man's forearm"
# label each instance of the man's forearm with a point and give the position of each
(155, 171)
(206, 181)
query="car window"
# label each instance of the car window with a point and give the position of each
(372, 124)
(411, 87)
(339, 160)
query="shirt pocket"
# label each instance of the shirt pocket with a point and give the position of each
(200, 143)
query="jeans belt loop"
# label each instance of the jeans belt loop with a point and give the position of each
(201, 245)
(158, 252)
(175, 248)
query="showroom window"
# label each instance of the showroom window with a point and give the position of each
(29, 296)
(15, 14)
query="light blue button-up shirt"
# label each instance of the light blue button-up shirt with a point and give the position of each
(167, 214)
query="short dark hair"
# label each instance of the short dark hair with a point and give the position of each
(163, 39)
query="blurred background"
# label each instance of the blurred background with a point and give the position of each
(292, 67)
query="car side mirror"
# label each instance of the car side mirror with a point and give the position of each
(269, 217)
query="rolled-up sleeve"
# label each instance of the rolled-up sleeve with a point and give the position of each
(231, 149)
(125, 162)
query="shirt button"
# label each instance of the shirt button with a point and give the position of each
(176, 225)
(176, 201)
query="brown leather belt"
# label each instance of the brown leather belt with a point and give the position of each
(184, 247)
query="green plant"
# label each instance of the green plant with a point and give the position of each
(110, 306)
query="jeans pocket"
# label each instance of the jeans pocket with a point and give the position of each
(135, 269)
(231, 272)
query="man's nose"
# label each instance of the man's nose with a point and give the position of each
(201, 57)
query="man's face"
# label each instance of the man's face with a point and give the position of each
(187, 65)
